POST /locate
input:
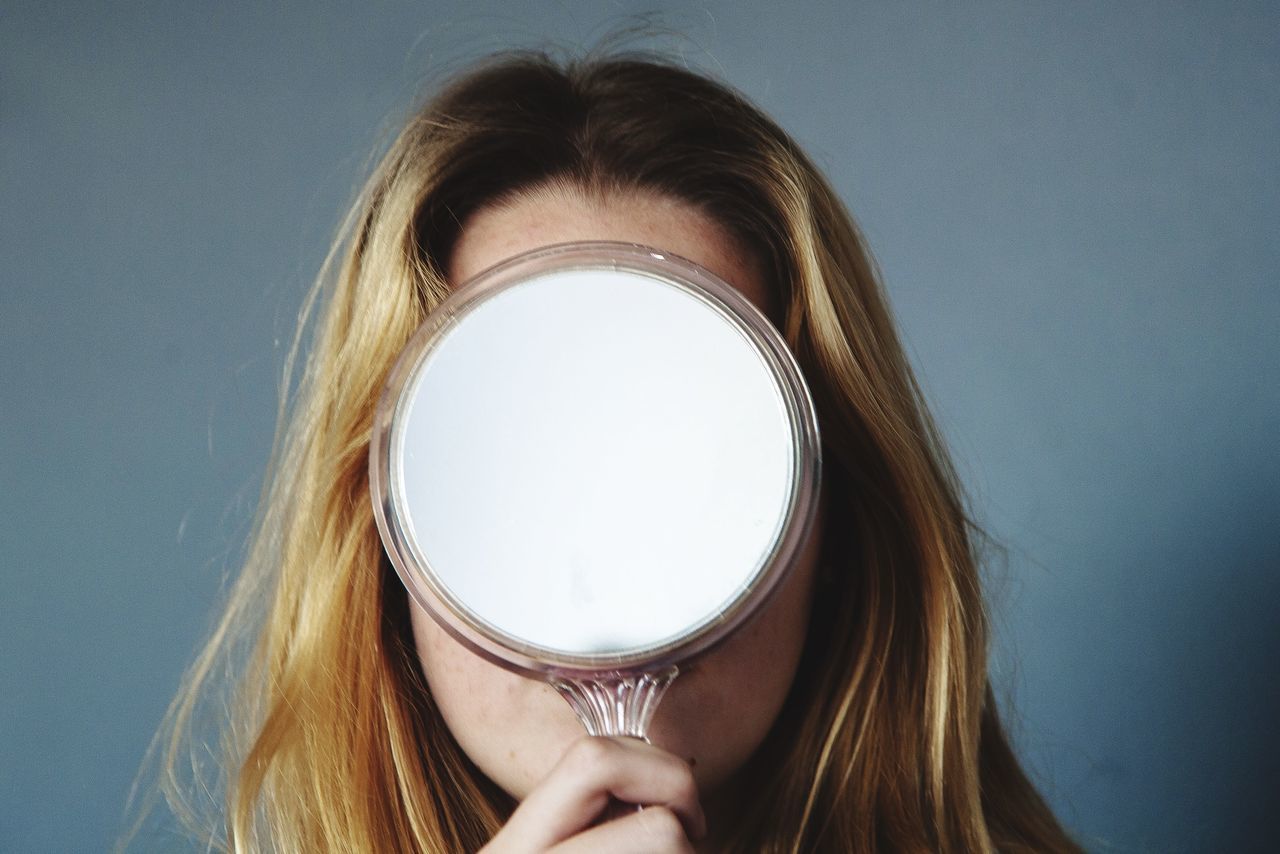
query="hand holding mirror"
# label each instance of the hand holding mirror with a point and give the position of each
(592, 463)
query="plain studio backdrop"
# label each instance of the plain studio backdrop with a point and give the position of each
(1075, 206)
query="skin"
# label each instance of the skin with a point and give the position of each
(519, 731)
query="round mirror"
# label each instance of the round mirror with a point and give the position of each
(594, 459)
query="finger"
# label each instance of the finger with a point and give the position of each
(652, 830)
(593, 769)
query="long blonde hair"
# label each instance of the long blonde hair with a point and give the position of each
(889, 739)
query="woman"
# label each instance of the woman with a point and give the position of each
(360, 726)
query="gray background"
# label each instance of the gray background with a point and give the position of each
(1075, 206)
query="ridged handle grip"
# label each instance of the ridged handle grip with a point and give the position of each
(617, 704)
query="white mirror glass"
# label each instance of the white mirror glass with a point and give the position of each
(592, 462)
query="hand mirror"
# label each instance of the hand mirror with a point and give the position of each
(592, 463)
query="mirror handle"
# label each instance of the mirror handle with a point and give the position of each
(617, 703)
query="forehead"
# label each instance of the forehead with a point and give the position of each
(558, 215)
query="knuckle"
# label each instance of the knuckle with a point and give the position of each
(683, 784)
(588, 755)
